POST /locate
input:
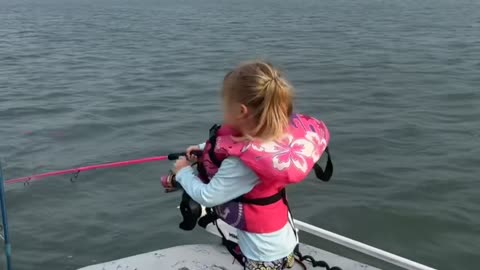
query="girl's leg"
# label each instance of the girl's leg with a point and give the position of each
(275, 265)
(256, 265)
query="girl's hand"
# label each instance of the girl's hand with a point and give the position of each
(189, 151)
(181, 163)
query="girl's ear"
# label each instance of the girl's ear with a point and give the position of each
(243, 113)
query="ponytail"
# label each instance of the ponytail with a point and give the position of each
(263, 89)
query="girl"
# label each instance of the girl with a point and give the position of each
(248, 161)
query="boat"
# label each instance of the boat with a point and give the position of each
(216, 256)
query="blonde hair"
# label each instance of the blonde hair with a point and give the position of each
(264, 90)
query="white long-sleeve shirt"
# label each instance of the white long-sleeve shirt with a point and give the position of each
(232, 180)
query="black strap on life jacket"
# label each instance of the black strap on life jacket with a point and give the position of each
(263, 201)
(326, 174)
(213, 142)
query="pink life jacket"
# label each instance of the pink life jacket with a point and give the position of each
(278, 163)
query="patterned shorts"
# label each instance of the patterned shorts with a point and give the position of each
(280, 264)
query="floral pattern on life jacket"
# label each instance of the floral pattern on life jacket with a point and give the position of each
(289, 151)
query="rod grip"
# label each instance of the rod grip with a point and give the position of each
(174, 156)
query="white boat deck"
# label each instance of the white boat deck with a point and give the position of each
(212, 257)
(216, 257)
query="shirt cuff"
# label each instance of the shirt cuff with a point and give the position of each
(183, 172)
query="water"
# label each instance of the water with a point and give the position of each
(92, 81)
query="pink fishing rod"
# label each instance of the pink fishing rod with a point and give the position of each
(37, 177)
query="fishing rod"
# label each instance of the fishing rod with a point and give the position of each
(76, 171)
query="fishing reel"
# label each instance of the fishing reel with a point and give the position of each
(190, 209)
(168, 182)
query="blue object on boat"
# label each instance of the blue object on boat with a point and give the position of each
(6, 238)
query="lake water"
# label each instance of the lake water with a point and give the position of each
(92, 81)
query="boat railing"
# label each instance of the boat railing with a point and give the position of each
(361, 247)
